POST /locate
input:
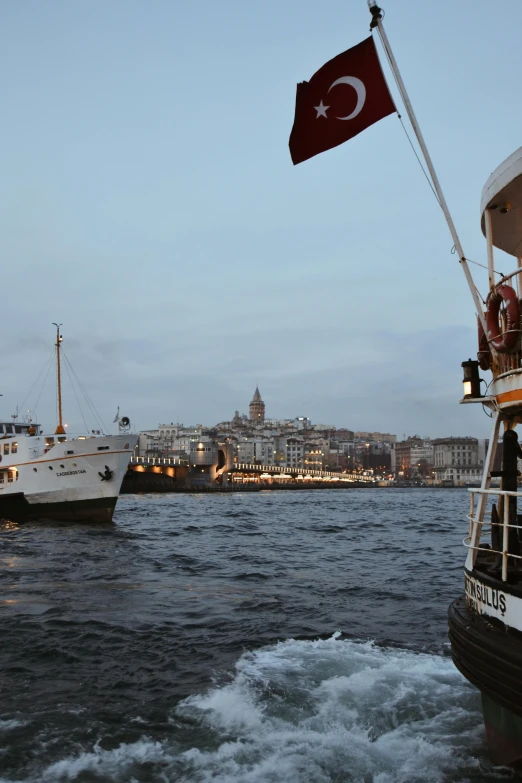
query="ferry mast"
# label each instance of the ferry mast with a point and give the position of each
(60, 429)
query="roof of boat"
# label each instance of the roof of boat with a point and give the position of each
(502, 194)
(21, 425)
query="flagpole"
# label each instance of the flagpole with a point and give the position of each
(376, 13)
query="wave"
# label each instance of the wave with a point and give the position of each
(9, 725)
(325, 711)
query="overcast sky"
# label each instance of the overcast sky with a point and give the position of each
(148, 202)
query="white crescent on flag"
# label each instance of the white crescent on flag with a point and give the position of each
(359, 88)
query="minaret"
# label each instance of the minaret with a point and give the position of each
(257, 407)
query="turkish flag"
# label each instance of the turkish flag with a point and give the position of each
(344, 97)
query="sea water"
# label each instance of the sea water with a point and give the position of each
(272, 636)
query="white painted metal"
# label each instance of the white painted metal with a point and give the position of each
(505, 534)
(483, 497)
(503, 496)
(506, 492)
(510, 381)
(489, 243)
(504, 187)
(431, 169)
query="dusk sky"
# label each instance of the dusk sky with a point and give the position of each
(149, 203)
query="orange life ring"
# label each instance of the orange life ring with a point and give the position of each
(484, 356)
(503, 341)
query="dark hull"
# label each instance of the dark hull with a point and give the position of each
(16, 508)
(490, 657)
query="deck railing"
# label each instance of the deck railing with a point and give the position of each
(477, 525)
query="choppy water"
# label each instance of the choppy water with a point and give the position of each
(263, 637)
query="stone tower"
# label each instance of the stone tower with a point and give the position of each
(257, 407)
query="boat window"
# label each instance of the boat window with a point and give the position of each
(9, 429)
(1, 428)
(6, 448)
(102, 448)
(49, 441)
(18, 428)
(2, 476)
(10, 476)
(14, 448)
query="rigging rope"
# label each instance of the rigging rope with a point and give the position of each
(470, 261)
(95, 413)
(76, 396)
(43, 384)
(428, 178)
(36, 381)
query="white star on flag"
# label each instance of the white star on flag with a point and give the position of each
(321, 110)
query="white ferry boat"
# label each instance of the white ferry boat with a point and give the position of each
(56, 477)
(60, 477)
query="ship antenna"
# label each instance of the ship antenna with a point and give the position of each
(60, 430)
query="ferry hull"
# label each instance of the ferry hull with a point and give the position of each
(17, 508)
(503, 733)
(490, 657)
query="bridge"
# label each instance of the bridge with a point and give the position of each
(159, 461)
(293, 472)
(162, 472)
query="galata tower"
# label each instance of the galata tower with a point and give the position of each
(257, 407)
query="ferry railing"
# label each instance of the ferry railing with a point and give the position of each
(476, 523)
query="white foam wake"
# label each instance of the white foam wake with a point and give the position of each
(337, 711)
(312, 712)
(9, 725)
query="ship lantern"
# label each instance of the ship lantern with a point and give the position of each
(471, 379)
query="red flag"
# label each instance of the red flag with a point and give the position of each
(344, 97)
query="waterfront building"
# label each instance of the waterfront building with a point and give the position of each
(421, 457)
(313, 457)
(245, 450)
(294, 453)
(385, 437)
(456, 460)
(376, 456)
(168, 440)
(407, 456)
(203, 459)
(266, 451)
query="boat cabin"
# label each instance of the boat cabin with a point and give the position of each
(500, 342)
(8, 429)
